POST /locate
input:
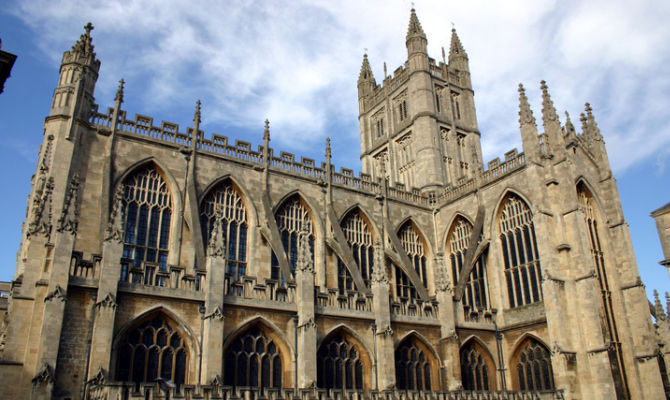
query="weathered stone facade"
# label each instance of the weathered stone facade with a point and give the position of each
(151, 251)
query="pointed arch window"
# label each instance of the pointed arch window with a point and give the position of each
(412, 367)
(253, 359)
(413, 244)
(520, 255)
(404, 288)
(357, 231)
(154, 349)
(234, 222)
(608, 322)
(339, 364)
(532, 366)
(148, 210)
(477, 367)
(291, 217)
(476, 289)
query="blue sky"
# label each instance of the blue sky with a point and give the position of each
(297, 65)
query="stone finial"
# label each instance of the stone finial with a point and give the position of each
(69, 218)
(305, 262)
(385, 73)
(444, 57)
(585, 126)
(328, 151)
(569, 127)
(548, 109)
(40, 221)
(84, 45)
(196, 115)
(379, 267)
(114, 231)
(525, 113)
(216, 246)
(414, 29)
(266, 131)
(119, 92)
(593, 129)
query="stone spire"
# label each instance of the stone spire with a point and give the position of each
(366, 79)
(548, 110)
(593, 129)
(414, 29)
(416, 38)
(569, 127)
(525, 113)
(84, 45)
(266, 142)
(552, 127)
(456, 48)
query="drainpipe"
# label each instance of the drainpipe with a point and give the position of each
(295, 354)
(501, 358)
(374, 364)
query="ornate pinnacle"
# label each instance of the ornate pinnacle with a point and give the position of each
(119, 92)
(414, 28)
(568, 125)
(84, 45)
(266, 131)
(667, 302)
(658, 307)
(456, 47)
(196, 116)
(548, 110)
(525, 113)
(591, 121)
(366, 72)
(585, 126)
(328, 153)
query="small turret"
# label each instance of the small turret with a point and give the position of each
(415, 41)
(528, 126)
(552, 127)
(78, 74)
(458, 59)
(366, 79)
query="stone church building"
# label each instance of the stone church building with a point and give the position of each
(161, 262)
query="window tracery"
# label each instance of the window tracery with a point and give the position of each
(413, 244)
(253, 359)
(475, 295)
(412, 367)
(520, 255)
(234, 225)
(357, 232)
(339, 364)
(291, 217)
(148, 210)
(532, 366)
(477, 367)
(153, 349)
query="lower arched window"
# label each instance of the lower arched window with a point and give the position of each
(253, 359)
(153, 349)
(339, 364)
(412, 367)
(477, 367)
(532, 366)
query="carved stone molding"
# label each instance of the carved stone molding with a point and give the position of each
(69, 218)
(57, 294)
(114, 231)
(217, 314)
(217, 242)
(107, 303)
(305, 262)
(40, 219)
(378, 268)
(442, 282)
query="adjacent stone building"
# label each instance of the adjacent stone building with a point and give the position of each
(152, 251)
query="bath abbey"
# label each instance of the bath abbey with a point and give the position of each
(158, 261)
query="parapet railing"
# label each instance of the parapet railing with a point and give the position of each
(153, 274)
(413, 307)
(351, 300)
(247, 287)
(168, 132)
(152, 391)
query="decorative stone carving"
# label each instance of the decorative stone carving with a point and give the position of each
(45, 376)
(115, 226)
(386, 331)
(217, 381)
(305, 262)
(99, 378)
(307, 324)
(378, 268)
(108, 302)
(40, 221)
(69, 218)
(216, 314)
(57, 294)
(217, 241)
(442, 282)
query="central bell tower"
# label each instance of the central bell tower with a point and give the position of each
(419, 126)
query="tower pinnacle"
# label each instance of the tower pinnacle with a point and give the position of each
(84, 45)
(456, 47)
(119, 92)
(414, 28)
(525, 113)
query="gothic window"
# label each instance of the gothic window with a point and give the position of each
(413, 244)
(380, 127)
(405, 290)
(253, 359)
(154, 349)
(357, 232)
(455, 105)
(345, 282)
(475, 295)
(520, 256)
(608, 322)
(532, 366)
(339, 364)
(227, 199)
(402, 109)
(477, 367)
(437, 102)
(291, 217)
(148, 209)
(412, 367)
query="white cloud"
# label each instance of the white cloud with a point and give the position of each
(297, 64)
